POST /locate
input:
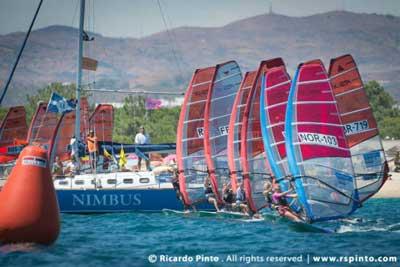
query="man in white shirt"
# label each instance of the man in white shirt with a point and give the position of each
(142, 138)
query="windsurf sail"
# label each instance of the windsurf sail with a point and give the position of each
(256, 170)
(235, 126)
(360, 126)
(191, 160)
(216, 121)
(274, 95)
(102, 122)
(13, 127)
(42, 128)
(317, 151)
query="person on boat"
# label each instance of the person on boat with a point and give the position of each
(209, 194)
(92, 147)
(267, 193)
(142, 138)
(241, 199)
(71, 168)
(228, 196)
(280, 204)
(58, 167)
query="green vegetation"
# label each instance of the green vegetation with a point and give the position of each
(161, 124)
(386, 114)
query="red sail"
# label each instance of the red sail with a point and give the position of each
(190, 134)
(102, 122)
(235, 126)
(255, 165)
(360, 126)
(13, 127)
(42, 127)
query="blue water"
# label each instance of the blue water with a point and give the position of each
(128, 239)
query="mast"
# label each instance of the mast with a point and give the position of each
(79, 73)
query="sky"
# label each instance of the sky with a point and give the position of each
(139, 18)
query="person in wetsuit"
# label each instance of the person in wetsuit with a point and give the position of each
(209, 194)
(241, 199)
(279, 202)
(228, 196)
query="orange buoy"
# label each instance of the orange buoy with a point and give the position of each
(28, 203)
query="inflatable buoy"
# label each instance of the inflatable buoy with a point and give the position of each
(28, 203)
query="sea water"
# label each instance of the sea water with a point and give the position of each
(167, 239)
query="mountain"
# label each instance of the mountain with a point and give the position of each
(151, 62)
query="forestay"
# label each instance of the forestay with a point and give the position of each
(360, 126)
(316, 147)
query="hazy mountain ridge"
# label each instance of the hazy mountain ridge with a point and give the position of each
(149, 63)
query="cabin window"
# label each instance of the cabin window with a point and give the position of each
(63, 182)
(112, 181)
(144, 180)
(128, 181)
(79, 182)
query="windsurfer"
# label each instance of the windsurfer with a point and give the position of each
(241, 199)
(280, 204)
(209, 194)
(228, 196)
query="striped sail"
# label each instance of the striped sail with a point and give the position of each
(190, 134)
(13, 127)
(216, 121)
(235, 126)
(316, 147)
(255, 166)
(102, 122)
(42, 127)
(274, 96)
(360, 126)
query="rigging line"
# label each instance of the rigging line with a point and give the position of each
(20, 53)
(171, 39)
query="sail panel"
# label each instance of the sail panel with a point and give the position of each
(189, 143)
(360, 126)
(217, 114)
(256, 169)
(235, 126)
(13, 127)
(316, 147)
(102, 122)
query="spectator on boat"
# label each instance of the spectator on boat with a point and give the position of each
(142, 138)
(71, 168)
(209, 194)
(92, 147)
(241, 199)
(58, 167)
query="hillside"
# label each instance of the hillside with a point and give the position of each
(374, 41)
